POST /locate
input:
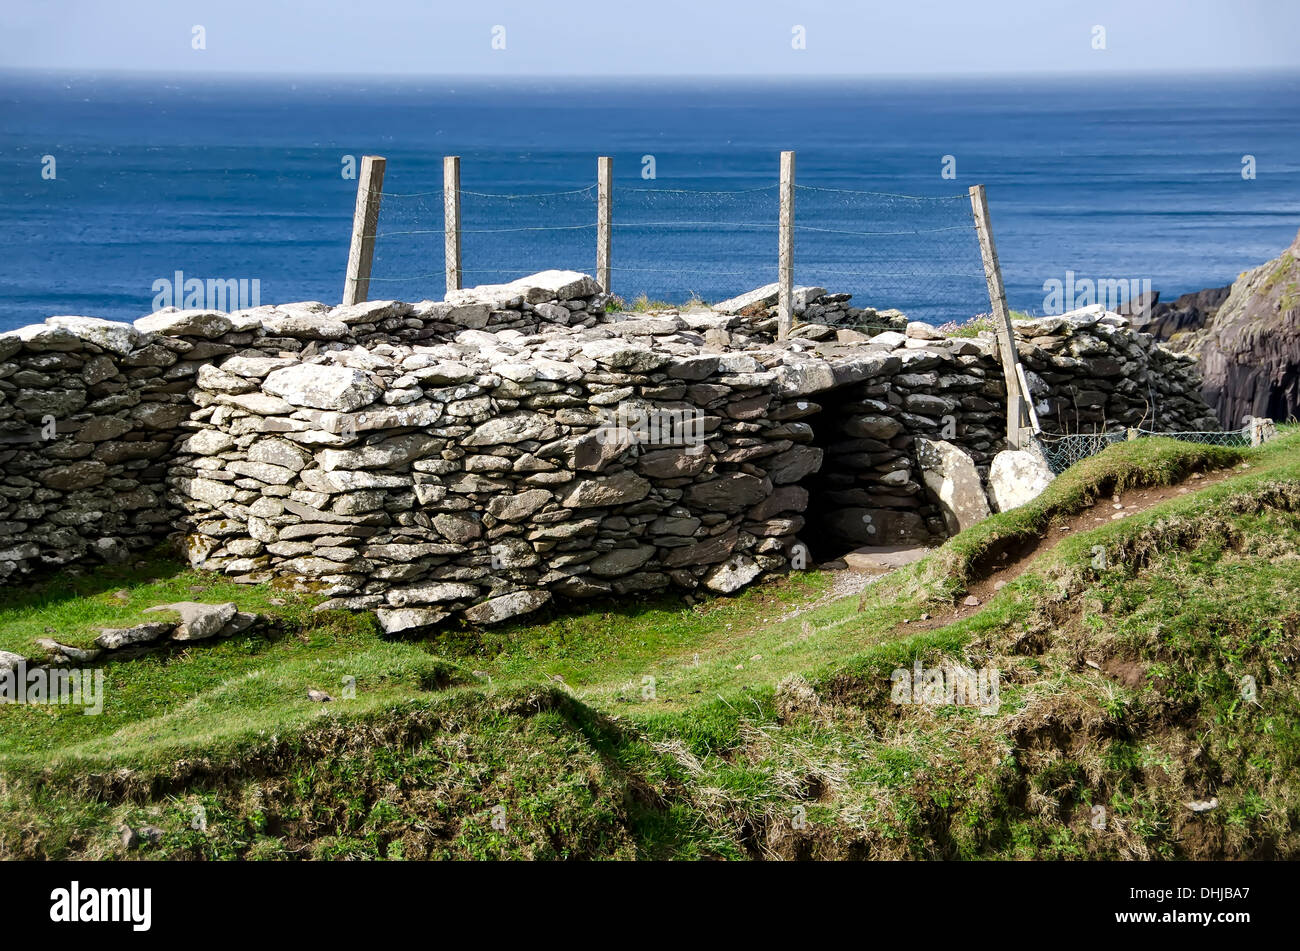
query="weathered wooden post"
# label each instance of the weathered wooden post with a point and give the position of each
(785, 266)
(1028, 396)
(604, 200)
(451, 219)
(1018, 421)
(365, 219)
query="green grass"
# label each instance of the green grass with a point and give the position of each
(72, 607)
(642, 304)
(733, 728)
(162, 703)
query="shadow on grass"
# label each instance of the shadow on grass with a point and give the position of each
(67, 584)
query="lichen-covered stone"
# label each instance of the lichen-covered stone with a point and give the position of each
(954, 482)
(323, 386)
(507, 606)
(117, 638)
(185, 323)
(198, 621)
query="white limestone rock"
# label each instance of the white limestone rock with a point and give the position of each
(113, 336)
(117, 638)
(198, 621)
(759, 297)
(185, 323)
(534, 289)
(321, 386)
(953, 481)
(409, 620)
(733, 574)
(431, 594)
(255, 367)
(391, 452)
(496, 610)
(1016, 477)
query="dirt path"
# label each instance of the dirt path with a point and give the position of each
(1018, 560)
(851, 581)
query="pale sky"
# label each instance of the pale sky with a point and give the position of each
(650, 37)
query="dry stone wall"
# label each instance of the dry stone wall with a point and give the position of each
(479, 456)
(88, 414)
(1090, 372)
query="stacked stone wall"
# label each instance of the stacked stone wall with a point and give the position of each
(482, 455)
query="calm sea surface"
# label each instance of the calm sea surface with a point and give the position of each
(244, 180)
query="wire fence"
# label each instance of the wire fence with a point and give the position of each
(917, 254)
(503, 236)
(1061, 452)
(673, 244)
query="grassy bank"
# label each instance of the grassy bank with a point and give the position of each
(1143, 664)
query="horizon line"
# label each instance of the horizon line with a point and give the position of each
(1209, 72)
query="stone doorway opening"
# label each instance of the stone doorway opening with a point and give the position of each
(866, 492)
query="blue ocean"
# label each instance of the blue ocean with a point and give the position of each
(109, 185)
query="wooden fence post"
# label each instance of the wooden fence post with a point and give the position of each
(1017, 414)
(451, 219)
(785, 264)
(365, 219)
(604, 202)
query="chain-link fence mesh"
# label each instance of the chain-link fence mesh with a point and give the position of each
(1061, 452)
(916, 254)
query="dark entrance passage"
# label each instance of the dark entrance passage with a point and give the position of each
(867, 492)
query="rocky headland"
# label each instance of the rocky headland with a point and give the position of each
(1246, 336)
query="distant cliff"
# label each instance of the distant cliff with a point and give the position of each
(1246, 337)
(1180, 322)
(1250, 354)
